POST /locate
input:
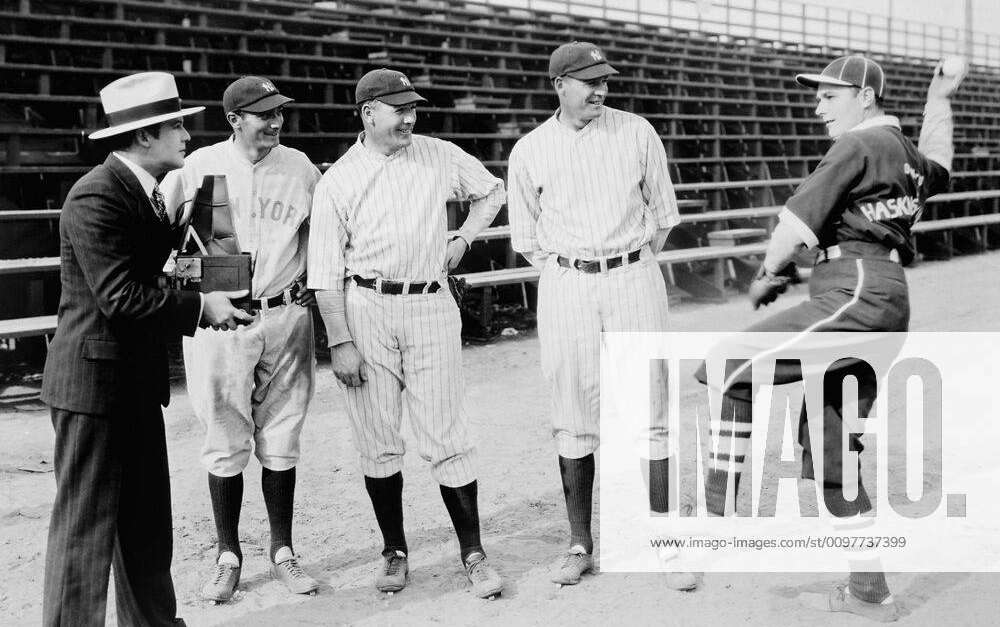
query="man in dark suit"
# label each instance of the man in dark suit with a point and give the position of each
(106, 373)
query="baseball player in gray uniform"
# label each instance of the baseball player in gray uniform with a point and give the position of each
(379, 261)
(590, 205)
(251, 388)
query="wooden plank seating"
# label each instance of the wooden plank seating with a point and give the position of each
(28, 327)
(733, 269)
(28, 265)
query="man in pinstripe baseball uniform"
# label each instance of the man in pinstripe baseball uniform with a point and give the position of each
(856, 209)
(379, 259)
(591, 204)
(251, 388)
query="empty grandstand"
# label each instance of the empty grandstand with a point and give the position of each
(739, 133)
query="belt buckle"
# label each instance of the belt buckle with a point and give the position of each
(587, 266)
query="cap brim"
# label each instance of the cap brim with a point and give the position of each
(267, 104)
(812, 80)
(592, 72)
(131, 126)
(402, 98)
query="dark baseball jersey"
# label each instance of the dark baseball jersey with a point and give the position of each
(870, 186)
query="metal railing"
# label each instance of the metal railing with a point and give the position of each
(787, 21)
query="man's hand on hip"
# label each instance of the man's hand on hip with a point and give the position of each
(454, 253)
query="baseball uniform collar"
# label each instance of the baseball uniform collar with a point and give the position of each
(374, 154)
(577, 133)
(238, 154)
(146, 179)
(878, 120)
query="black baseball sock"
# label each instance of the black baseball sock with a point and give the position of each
(278, 487)
(464, 511)
(387, 501)
(656, 475)
(578, 488)
(227, 498)
(734, 444)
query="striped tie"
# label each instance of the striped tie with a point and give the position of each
(159, 207)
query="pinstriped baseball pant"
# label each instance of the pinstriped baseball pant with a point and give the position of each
(412, 350)
(573, 309)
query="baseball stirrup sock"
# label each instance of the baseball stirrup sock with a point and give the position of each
(278, 487)
(386, 494)
(728, 456)
(867, 581)
(578, 488)
(463, 507)
(227, 498)
(656, 474)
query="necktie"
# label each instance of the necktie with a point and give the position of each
(159, 207)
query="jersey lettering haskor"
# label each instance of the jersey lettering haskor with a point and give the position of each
(599, 191)
(871, 186)
(385, 217)
(271, 201)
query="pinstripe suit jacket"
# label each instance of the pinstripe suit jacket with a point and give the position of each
(114, 322)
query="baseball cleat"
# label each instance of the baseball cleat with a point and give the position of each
(391, 575)
(576, 562)
(486, 582)
(221, 584)
(681, 581)
(286, 569)
(841, 600)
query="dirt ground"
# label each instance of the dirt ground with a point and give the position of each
(523, 516)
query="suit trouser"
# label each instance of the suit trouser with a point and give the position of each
(112, 506)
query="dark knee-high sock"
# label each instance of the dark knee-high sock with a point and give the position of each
(463, 507)
(227, 498)
(727, 460)
(656, 475)
(278, 487)
(386, 494)
(578, 488)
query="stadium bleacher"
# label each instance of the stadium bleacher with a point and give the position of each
(739, 133)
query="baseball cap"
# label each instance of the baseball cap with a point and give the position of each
(850, 71)
(389, 86)
(255, 94)
(581, 60)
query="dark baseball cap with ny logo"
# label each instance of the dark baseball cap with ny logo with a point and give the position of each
(388, 86)
(581, 60)
(255, 94)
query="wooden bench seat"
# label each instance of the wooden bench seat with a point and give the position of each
(28, 327)
(29, 265)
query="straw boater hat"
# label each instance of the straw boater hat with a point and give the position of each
(140, 100)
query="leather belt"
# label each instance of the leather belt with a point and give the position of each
(868, 252)
(599, 265)
(286, 297)
(383, 286)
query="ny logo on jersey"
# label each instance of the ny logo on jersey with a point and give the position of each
(596, 54)
(268, 87)
(405, 81)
